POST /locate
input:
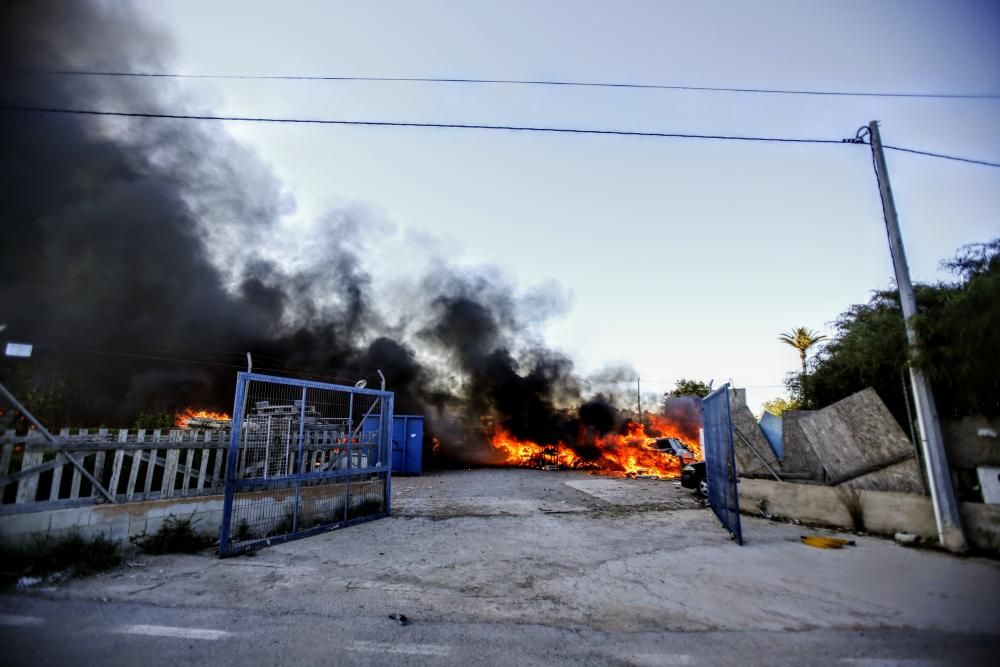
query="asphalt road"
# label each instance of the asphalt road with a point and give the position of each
(39, 631)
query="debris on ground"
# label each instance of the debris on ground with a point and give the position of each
(821, 542)
(24, 583)
(906, 539)
(59, 577)
(400, 618)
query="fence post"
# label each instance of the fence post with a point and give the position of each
(234, 444)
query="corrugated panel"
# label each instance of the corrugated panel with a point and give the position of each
(770, 425)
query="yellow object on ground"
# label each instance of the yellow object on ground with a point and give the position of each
(821, 542)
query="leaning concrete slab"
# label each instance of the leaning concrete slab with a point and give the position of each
(752, 451)
(859, 444)
(799, 455)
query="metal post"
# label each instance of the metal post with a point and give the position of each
(239, 403)
(298, 462)
(949, 523)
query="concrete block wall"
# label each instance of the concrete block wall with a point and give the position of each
(115, 522)
(758, 460)
(965, 446)
(883, 512)
(122, 521)
(859, 431)
(799, 456)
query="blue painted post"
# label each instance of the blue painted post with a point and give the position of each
(234, 446)
(298, 463)
(387, 443)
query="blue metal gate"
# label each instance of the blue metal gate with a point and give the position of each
(304, 457)
(720, 460)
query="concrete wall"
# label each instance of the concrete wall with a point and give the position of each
(965, 447)
(115, 522)
(756, 458)
(858, 432)
(799, 456)
(265, 511)
(883, 512)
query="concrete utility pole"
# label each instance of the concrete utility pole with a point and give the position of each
(949, 523)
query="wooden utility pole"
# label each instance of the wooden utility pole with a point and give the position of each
(638, 398)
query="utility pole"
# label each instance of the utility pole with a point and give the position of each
(949, 523)
(638, 398)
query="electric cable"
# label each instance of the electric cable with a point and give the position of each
(517, 82)
(481, 126)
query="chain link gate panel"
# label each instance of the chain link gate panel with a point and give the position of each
(720, 460)
(304, 457)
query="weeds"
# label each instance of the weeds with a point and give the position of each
(851, 499)
(74, 555)
(365, 508)
(762, 507)
(175, 536)
(243, 531)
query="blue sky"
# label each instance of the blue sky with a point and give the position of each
(682, 258)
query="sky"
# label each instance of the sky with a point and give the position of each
(682, 258)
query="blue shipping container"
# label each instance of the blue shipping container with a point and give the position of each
(407, 442)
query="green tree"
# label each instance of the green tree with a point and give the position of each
(959, 328)
(801, 339)
(153, 419)
(686, 387)
(778, 406)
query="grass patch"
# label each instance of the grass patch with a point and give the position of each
(175, 536)
(71, 555)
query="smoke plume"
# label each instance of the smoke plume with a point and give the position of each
(131, 259)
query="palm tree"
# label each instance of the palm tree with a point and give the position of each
(801, 339)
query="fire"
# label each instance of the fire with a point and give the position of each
(183, 419)
(633, 453)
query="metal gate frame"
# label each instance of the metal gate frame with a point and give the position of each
(720, 460)
(326, 430)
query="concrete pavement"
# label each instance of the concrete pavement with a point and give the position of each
(525, 567)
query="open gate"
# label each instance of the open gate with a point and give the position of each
(720, 460)
(304, 457)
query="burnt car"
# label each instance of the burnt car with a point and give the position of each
(673, 447)
(693, 477)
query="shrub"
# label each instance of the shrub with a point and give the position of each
(73, 554)
(175, 536)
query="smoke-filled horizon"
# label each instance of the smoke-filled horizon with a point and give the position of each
(165, 239)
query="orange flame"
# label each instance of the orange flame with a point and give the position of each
(631, 454)
(182, 419)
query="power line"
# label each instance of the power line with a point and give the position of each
(283, 368)
(518, 82)
(479, 126)
(384, 123)
(942, 156)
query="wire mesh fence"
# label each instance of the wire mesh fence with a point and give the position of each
(720, 460)
(304, 457)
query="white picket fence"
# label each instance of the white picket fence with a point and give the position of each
(128, 465)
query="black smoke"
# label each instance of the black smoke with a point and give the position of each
(132, 257)
(115, 230)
